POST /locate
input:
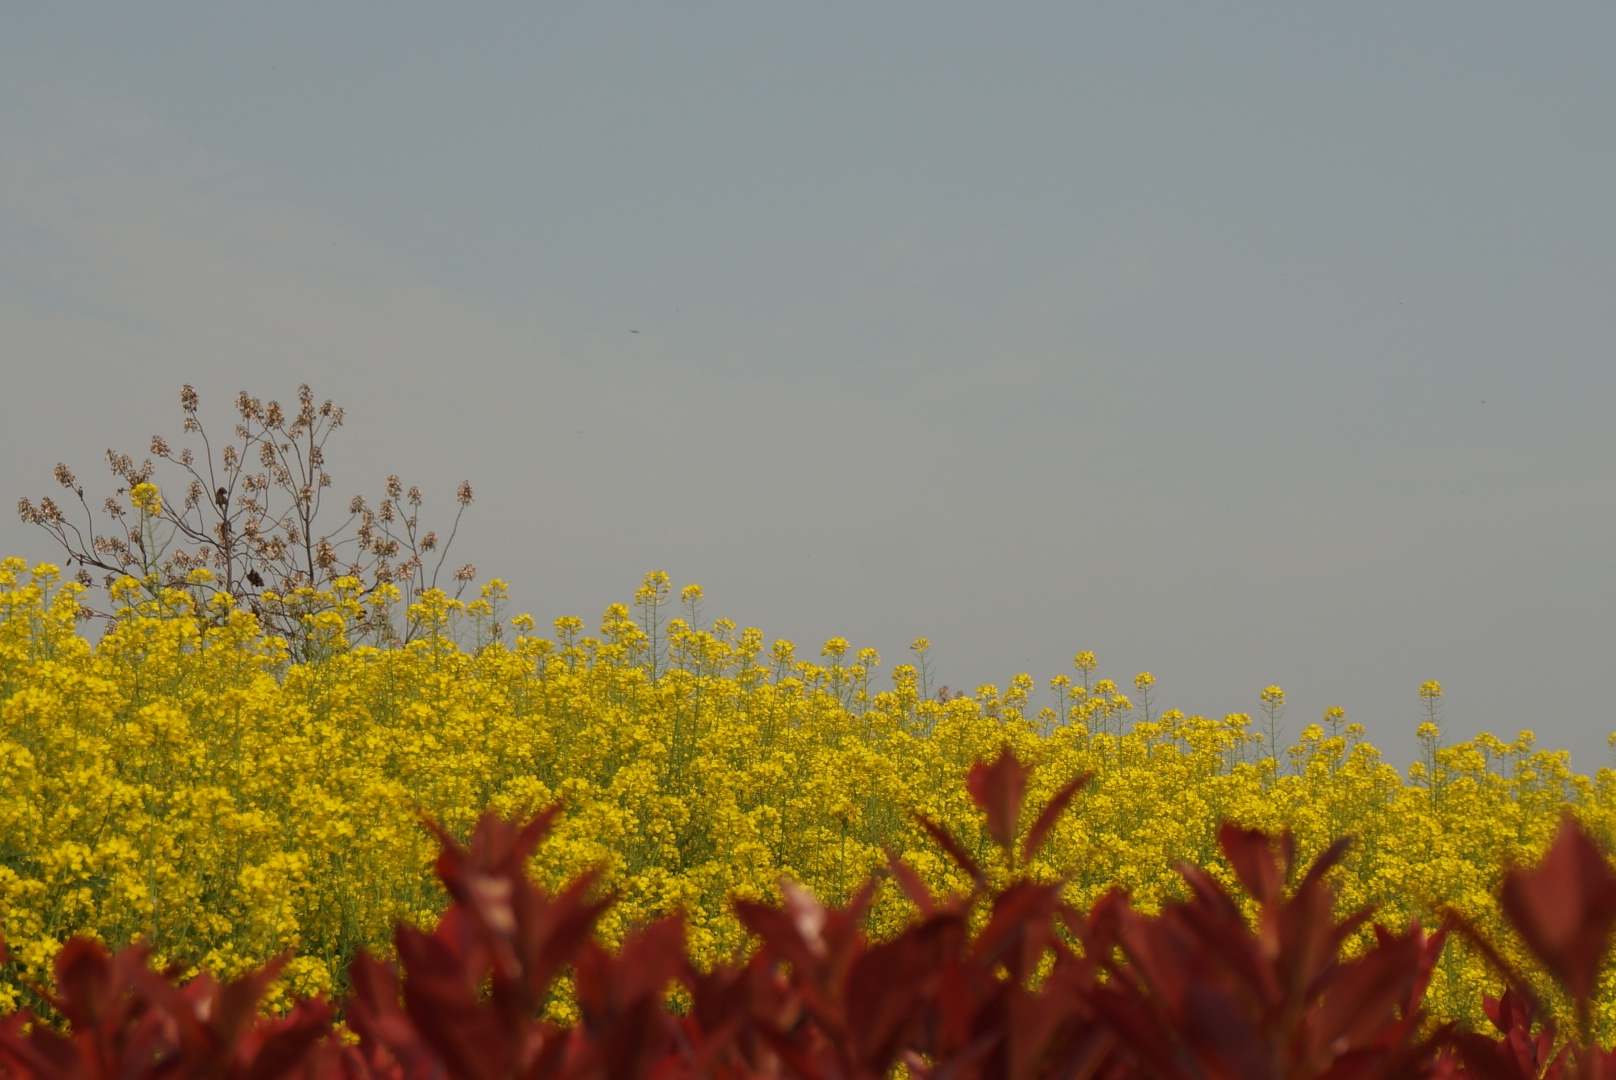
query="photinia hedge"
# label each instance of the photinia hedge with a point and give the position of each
(1003, 983)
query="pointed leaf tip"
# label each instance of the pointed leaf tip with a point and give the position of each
(1564, 908)
(1251, 853)
(999, 790)
(1050, 815)
(946, 841)
(911, 883)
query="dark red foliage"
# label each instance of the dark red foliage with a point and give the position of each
(1564, 909)
(1197, 992)
(1518, 1054)
(999, 790)
(128, 1021)
(1040, 991)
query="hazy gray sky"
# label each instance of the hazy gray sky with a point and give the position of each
(1243, 344)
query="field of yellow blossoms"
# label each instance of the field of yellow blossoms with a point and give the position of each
(184, 782)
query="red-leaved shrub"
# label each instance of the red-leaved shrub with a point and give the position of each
(1036, 991)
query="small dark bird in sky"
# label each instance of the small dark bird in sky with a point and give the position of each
(634, 331)
(222, 497)
(255, 579)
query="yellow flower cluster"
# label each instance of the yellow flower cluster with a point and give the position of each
(183, 782)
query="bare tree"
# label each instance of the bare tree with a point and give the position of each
(250, 516)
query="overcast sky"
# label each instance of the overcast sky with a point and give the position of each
(1243, 344)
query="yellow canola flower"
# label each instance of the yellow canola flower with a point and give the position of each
(146, 498)
(183, 783)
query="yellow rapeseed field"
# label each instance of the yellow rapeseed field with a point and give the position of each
(182, 781)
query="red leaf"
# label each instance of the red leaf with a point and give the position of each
(286, 1044)
(384, 1029)
(1203, 994)
(911, 884)
(1021, 928)
(1564, 909)
(625, 1031)
(84, 983)
(888, 987)
(947, 842)
(442, 1000)
(641, 969)
(999, 790)
(1049, 816)
(1251, 854)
